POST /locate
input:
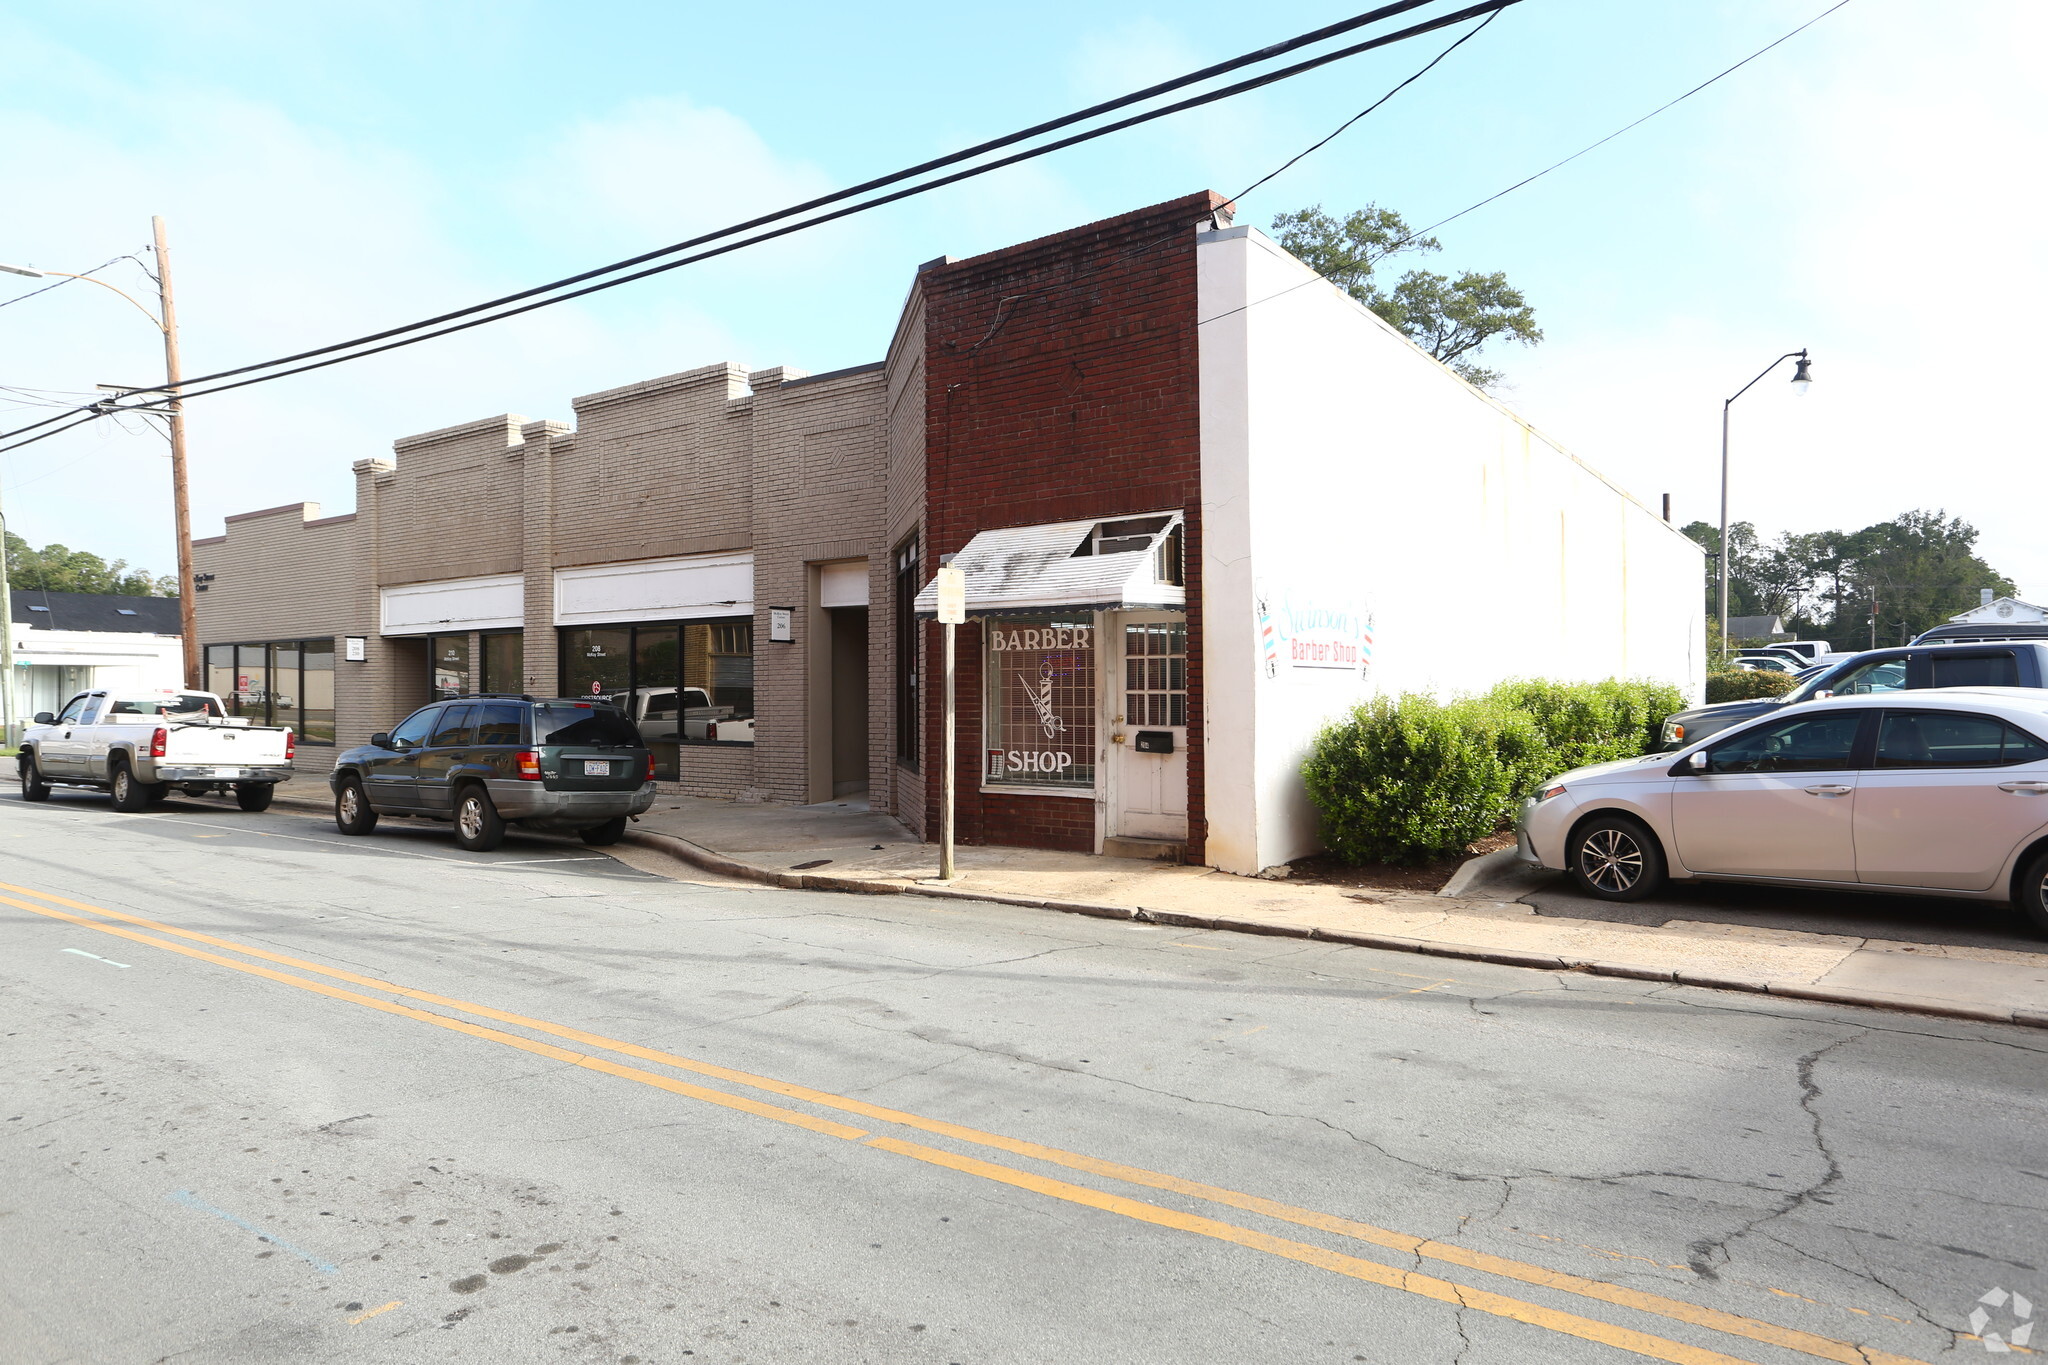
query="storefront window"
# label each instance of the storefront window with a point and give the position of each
(448, 657)
(1041, 702)
(281, 682)
(908, 716)
(504, 663)
(684, 684)
(317, 693)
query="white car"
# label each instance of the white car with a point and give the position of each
(1941, 792)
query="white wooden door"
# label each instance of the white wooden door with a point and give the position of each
(1149, 698)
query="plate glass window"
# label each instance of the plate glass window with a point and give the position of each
(448, 657)
(683, 684)
(282, 682)
(503, 664)
(1041, 704)
(908, 718)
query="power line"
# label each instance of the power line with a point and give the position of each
(1547, 169)
(1626, 127)
(1283, 73)
(938, 163)
(1318, 146)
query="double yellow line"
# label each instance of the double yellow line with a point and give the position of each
(1354, 1267)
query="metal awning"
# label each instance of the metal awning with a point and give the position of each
(1026, 569)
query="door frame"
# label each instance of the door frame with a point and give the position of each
(1110, 684)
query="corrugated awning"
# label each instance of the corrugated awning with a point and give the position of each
(1024, 569)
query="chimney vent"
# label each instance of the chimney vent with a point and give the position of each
(1984, 596)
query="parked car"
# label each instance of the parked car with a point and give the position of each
(1941, 793)
(137, 745)
(2012, 664)
(1980, 631)
(484, 762)
(1765, 663)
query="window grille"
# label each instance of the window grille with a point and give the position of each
(1156, 673)
(1041, 701)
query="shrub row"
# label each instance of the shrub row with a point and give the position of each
(1744, 684)
(1408, 778)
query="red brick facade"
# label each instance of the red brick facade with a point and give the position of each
(1061, 384)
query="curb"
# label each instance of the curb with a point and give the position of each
(699, 856)
(1500, 875)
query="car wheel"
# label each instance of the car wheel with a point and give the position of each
(2030, 893)
(33, 788)
(606, 834)
(129, 795)
(478, 826)
(1614, 858)
(254, 795)
(352, 811)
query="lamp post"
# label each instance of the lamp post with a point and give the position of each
(165, 320)
(1802, 380)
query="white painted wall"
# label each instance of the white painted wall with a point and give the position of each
(1344, 469)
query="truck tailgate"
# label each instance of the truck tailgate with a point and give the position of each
(243, 747)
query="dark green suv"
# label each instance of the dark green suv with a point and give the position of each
(487, 761)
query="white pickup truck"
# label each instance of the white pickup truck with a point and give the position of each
(138, 745)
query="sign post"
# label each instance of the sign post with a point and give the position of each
(952, 595)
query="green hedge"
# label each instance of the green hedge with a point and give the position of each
(1746, 684)
(1406, 779)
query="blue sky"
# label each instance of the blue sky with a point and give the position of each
(1864, 190)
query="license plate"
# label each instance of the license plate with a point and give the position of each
(231, 772)
(596, 767)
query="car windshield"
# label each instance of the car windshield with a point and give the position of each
(573, 723)
(175, 705)
(1883, 675)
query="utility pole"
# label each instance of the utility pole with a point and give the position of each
(188, 621)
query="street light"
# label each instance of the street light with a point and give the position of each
(165, 320)
(1802, 380)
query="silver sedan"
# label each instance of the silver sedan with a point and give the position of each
(1941, 792)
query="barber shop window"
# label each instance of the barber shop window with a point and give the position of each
(283, 682)
(1040, 722)
(685, 684)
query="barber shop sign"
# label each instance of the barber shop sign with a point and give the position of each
(1042, 704)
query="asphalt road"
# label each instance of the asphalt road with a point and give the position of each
(1909, 919)
(271, 1094)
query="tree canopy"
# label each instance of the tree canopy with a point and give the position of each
(1450, 318)
(59, 568)
(1919, 568)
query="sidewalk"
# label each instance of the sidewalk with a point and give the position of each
(841, 846)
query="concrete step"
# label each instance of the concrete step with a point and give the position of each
(1151, 850)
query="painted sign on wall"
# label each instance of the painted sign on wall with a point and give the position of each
(1316, 633)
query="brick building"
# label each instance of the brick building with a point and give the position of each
(1203, 500)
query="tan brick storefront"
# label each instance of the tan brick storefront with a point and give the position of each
(706, 466)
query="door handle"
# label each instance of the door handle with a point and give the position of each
(2025, 788)
(1829, 791)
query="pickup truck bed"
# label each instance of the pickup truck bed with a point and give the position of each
(137, 746)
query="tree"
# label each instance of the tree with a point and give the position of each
(1449, 318)
(58, 568)
(1920, 568)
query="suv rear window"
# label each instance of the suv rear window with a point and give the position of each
(1974, 670)
(567, 724)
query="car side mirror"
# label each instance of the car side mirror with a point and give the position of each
(1697, 761)
(380, 740)
(45, 718)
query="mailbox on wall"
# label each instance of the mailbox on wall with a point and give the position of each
(1155, 741)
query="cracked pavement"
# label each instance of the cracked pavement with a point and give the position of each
(1860, 1176)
